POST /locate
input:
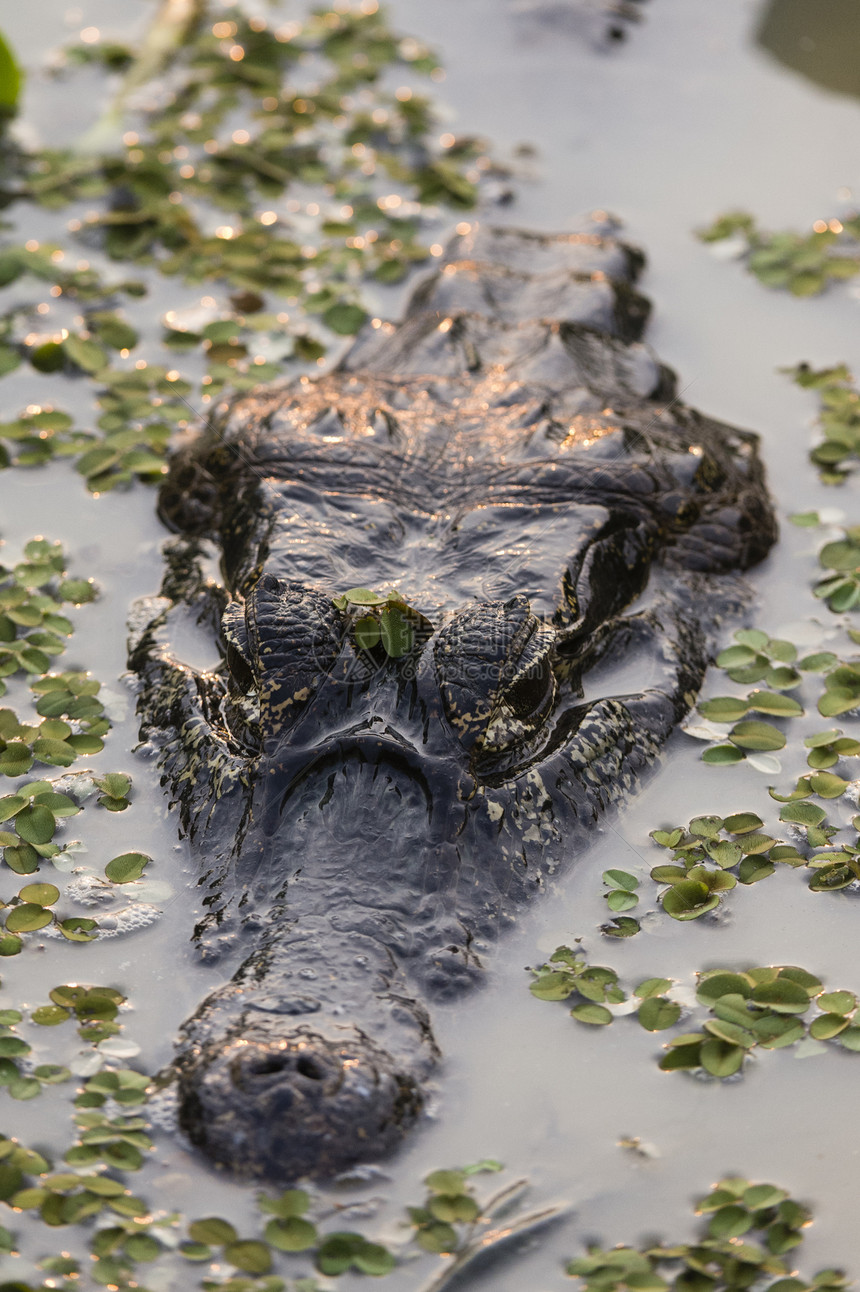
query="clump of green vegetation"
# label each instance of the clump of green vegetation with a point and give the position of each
(749, 1230)
(838, 419)
(451, 1223)
(756, 1007)
(805, 264)
(30, 910)
(620, 896)
(756, 657)
(827, 747)
(567, 974)
(32, 594)
(695, 887)
(840, 587)
(95, 1009)
(188, 194)
(383, 619)
(711, 856)
(760, 1007)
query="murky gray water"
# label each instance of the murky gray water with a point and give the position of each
(685, 119)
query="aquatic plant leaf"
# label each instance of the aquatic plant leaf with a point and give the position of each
(656, 1013)
(40, 894)
(27, 917)
(621, 879)
(597, 1015)
(742, 823)
(720, 1058)
(249, 1255)
(652, 987)
(292, 1234)
(688, 900)
(782, 996)
(756, 735)
(723, 755)
(127, 867)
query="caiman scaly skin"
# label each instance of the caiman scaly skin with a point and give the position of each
(514, 461)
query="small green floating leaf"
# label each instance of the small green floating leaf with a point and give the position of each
(783, 996)
(706, 827)
(838, 1002)
(35, 824)
(621, 927)
(777, 705)
(212, 1230)
(752, 869)
(291, 1235)
(732, 1033)
(828, 786)
(40, 894)
(249, 1255)
(730, 1222)
(826, 1026)
(50, 1015)
(344, 319)
(656, 1013)
(719, 983)
(758, 1196)
(621, 879)
(618, 900)
(688, 899)
(723, 708)
(367, 632)
(802, 813)
(756, 735)
(360, 597)
(85, 354)
(720, 1058)
(742, 823)
(395, 632)
(652, 987)
(722, 755)
(127, 867)
(598, 1015)
(27, 918)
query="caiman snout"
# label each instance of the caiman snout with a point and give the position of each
(280, 1105)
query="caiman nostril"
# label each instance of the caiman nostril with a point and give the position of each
(268, 1065)
(308, 1067)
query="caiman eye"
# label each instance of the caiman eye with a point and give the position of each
(532, 692)
(520, 709)
(495, 675)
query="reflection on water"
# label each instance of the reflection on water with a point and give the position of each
(818, 38)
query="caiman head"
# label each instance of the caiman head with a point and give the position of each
(376, 785)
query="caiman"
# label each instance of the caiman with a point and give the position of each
(373, 790)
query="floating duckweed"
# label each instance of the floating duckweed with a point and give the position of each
(706, 863)
(723, 1257)
(115, 788)
(450, 1203)
(127, 867)
(621, 885)
(838, 419)
(841, 588)
(350, 138)
(754, 1007)
(804, 264)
